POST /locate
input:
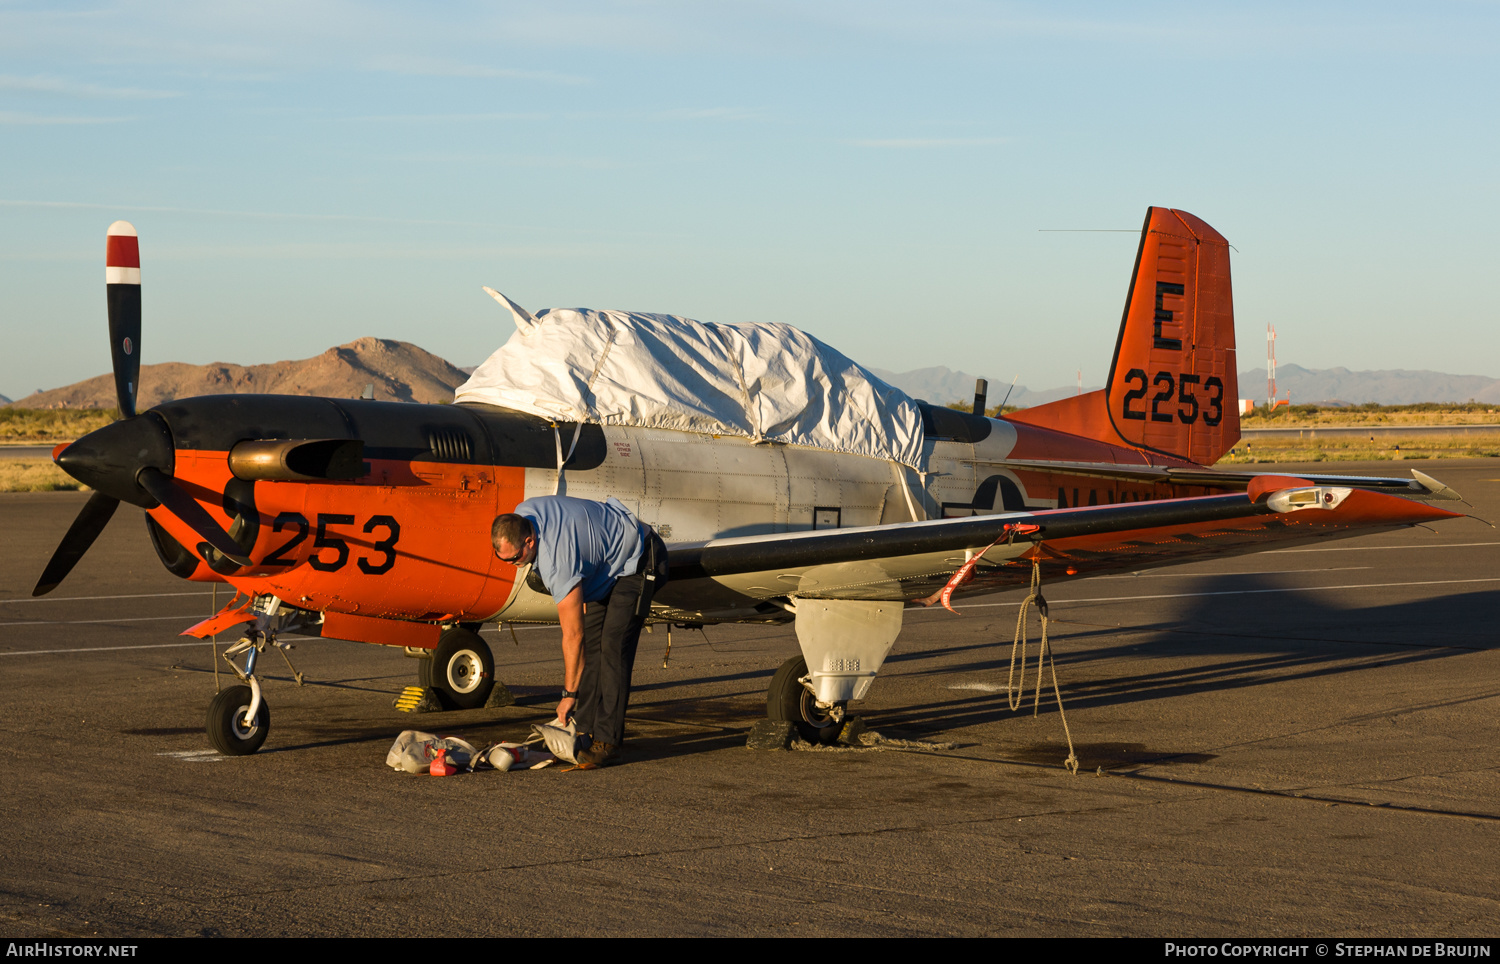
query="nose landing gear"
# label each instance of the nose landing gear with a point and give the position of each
(238, 718)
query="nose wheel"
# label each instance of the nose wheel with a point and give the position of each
(789, 699)
(231, 730)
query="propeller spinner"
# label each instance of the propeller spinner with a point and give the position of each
(130, 460)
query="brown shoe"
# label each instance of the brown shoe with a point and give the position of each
(596, 755)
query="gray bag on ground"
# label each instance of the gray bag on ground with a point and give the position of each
(563, 742)
(413, 752)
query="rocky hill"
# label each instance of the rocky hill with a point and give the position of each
(399, 372)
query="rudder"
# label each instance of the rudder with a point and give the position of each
(1172, 385)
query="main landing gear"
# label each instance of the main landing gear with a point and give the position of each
(846, 641)
(790, 698)
(461, 670)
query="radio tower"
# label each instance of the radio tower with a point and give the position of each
(1271, 400)
(1270, 368)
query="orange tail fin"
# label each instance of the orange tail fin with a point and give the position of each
(1172, 385)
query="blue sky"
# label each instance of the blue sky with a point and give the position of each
(880, 174)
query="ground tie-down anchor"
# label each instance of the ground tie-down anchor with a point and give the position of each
(1015, 695)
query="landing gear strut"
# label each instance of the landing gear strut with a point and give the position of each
(238, 718)
(790, 699)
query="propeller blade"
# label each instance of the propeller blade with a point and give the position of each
(122, 285)
(91, 521)
(166, 491)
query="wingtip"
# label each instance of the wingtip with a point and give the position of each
(1435, 489)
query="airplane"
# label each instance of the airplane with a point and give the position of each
(369, 521)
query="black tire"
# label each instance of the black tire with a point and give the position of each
(226, 728)
(789, 700)
(461, 671)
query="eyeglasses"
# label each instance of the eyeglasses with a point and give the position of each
(513, 560)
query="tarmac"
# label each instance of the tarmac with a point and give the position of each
(1292, 743)
(1367, 431)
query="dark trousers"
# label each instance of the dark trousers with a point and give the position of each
(611, 634)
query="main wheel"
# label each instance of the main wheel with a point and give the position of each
(226, 723)
(789, 700)
(461, 671)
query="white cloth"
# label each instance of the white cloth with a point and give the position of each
(561, 741)
(763, 382)
(413, 751)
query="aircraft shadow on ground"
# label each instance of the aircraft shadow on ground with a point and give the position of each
(703, 725)
(1210, 645)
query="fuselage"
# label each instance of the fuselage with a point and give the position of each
(409, 540)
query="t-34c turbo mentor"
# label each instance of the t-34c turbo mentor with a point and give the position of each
(789, 484)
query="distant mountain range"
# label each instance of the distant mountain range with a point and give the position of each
(400, 371)
(1399, 386)
(1391, 387)
(942, 385)
(394, 370)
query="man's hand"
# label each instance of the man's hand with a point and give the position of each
(570, 617)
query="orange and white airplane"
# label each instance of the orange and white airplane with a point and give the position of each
(369, 521)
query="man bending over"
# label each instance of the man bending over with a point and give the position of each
(596, 561)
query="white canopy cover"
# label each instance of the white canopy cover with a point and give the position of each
(763, 382)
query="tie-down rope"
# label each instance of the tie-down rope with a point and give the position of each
(1016, 695)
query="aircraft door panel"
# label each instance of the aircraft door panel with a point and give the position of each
(700, 487)
(855, 486)
(751, 489)
(682, 482)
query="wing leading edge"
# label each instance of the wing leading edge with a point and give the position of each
(1419, 486)
(911, 561)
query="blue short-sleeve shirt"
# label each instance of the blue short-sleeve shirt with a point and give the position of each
(581, 542)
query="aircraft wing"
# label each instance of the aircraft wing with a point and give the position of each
(912, 561)
(1420, 485)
